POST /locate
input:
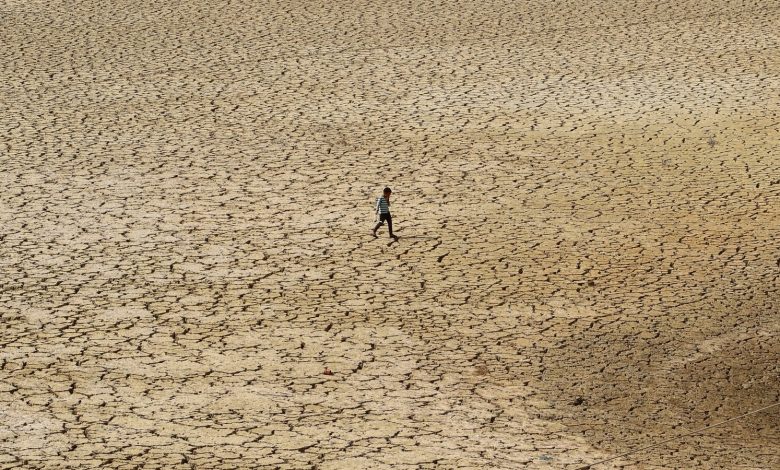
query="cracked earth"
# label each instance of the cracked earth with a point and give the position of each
(587, 195)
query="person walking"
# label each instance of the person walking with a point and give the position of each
(383, 211)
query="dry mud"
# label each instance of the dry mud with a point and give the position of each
(586, 194)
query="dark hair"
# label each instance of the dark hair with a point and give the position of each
(387, 190)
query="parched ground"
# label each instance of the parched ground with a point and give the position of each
(587, 194)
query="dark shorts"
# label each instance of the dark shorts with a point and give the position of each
(387, 217)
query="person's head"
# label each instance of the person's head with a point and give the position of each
(387, 192)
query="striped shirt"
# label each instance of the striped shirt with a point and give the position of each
(382, 205)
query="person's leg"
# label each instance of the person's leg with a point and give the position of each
(379, 224)
(390, 225)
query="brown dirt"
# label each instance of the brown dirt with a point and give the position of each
(587, 196)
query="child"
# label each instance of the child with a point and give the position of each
(383, 210)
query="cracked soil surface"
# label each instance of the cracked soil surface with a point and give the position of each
(587, 195)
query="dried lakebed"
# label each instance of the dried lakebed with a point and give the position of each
(587, 196)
